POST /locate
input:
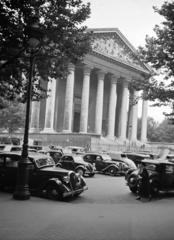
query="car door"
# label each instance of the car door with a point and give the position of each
(67, 162)
(89, 158)
(168, 176)
(99, 163)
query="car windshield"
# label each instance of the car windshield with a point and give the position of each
(45, 162)
(78, 159)
(106, 157)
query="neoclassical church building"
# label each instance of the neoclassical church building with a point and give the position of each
(94, 99)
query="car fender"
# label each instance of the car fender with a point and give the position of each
(51, 181)
(108, 167)
(80, 166)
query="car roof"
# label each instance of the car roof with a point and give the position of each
(158, 162)
(137, 154)
(36, 155)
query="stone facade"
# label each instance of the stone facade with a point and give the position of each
(94, 99)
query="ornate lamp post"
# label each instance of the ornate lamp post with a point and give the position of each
(22, 188)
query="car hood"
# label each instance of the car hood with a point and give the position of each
(56, 170)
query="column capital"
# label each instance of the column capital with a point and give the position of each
(71, 67)
(87, 69)
(125, 83)
(101, 74)
(114, 78)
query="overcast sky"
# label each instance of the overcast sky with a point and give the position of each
(134, 18)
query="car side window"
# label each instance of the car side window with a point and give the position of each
(10, 162)
(98, 158)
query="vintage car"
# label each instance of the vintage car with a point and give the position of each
(74, 149)
(76, 163)
(11, 148)
(137, 157)
(122, 158)
(160, 174)
(45, 179)
(55, 154)
(104, 163)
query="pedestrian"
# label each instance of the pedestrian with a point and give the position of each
(143, 186)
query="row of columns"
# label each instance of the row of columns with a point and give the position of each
(68, 111)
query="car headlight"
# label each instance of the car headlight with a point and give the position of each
(66, 179)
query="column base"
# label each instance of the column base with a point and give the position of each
(48, 130)
(82, 132)
(67, 131)
(111, 137)
(34, 130)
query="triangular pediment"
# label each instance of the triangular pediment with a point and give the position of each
(112, 44)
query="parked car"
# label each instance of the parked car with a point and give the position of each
(103, 163)
(160, 177)
(76, 163)
(35, 147)
(137, 157)
(122, 158)
(11, 148)
(45, 179)
(16, 148)
(74, 149)
(160, 174)
(55, 154)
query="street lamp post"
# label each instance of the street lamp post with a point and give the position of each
(22, 188)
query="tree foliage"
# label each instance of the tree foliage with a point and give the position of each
(159, 53)
(157, 132)
(12, 116)
(61, 34)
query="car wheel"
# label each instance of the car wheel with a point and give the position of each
(112, 171)
(80, 171)
(52, 192)
(132, 183)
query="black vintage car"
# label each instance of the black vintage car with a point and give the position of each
(137, 157)
(159, 174)
(55, 154)
(45, 179)
(76, 163)
(104, 163)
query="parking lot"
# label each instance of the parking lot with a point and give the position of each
(107, 210)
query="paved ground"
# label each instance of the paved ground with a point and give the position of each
(107, 211)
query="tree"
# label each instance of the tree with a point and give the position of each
(159, 54)
(60, 32)
(12, 116)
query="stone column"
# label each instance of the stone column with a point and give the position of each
(67, 123)
(35, 113)
(99, 103)
(134, 117)
(112, 107)
(85, 100)
(123, 112)
(144, 121)
(50, 107)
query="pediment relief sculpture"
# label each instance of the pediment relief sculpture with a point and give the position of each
(111, 45)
